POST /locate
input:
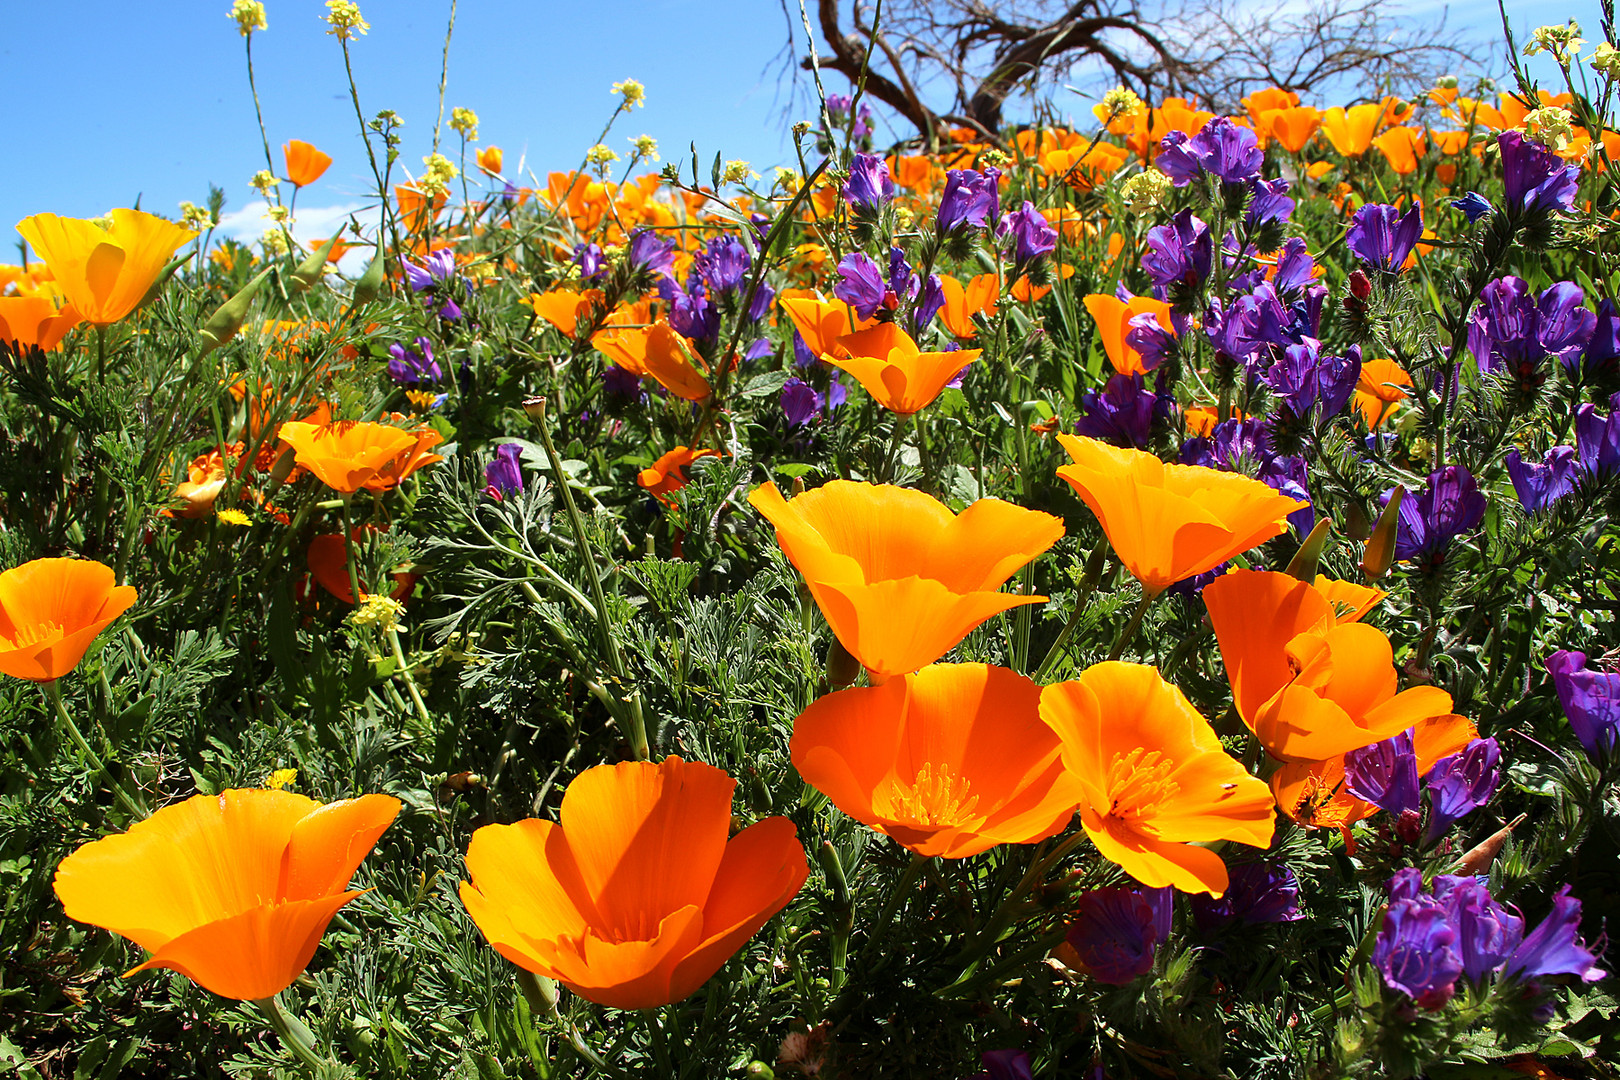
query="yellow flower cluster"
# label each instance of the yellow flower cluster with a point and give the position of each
(633, 93)
(464, 121)
(377, 610)
(249, 16)
(436, 177)
(345, 20)
(646, 147)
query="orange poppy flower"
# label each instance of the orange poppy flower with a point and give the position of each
(232, 890)
(1268, 99)
(1026, 292)
(1155, 780)
(1113, 315)
(416, 210)
(1201, 419)
(979, 296)
(563, 308)
(623, 337)
(1350, 601)
(1294, 127)
(1309, 686)
(104, 272)
(1380, 391)
(1313, 794)
(50, 612)
(1450, 143)
(205, 479)
(668, 473)
(1169, 522)
(1402, 146)
(305, 164)
(950, 761)
(897, 374)
(34, 321)
(668, 358)
(635, 897)
(348, 455)
(914, 173)
(328, 561)
(899, 577)
(490, 159)
(1351, 130)
(1084, 167)
(822, 322)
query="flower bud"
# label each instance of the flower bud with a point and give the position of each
(1379, 554)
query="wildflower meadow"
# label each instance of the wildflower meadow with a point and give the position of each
(1128, 594)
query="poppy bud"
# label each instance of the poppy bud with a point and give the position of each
(842, 668)
(535, 408)
(370, 285)
(228, 318)
(1379, 554)
(833, 868)
(1303, 564)
(310, 270)
(1356, 525)
(1478, 858)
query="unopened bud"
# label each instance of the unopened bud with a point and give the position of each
(1379, 554)
(842, 668)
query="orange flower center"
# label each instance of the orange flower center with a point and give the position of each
(937, 797)
(1138, 782)
(27, 637)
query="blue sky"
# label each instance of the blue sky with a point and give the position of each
(154, 101)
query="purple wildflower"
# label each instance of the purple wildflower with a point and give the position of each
(929, 301)
(1226, 151)
(1555, 947)
(800, 402)
(651, 252)
(1303, 378)
(723, 264)
(438, 266)
(504, 474)
(1473, 205)
(970, 199)
(1539, 486)
(1258, 892)
(1487, 932)
(409, 368)
(1179, 252)
(1123, 412)
(1597, 442)
(1386, 775)
(1533, 178)
(1382, 237)
(1032, 235)
(869, 184)
(588, 257)
(1004, 1065)
(1430, 520)
(1116, 930)
(1591, 701)
(1268, 202)
(1416, 951)
(861, 284)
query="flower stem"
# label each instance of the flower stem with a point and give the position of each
(131, 803)
(1129, 633)
(660, 1047)
(637, 723)
(541, 993)
(294, 1035)
(1087, 586)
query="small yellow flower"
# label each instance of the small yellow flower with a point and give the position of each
(196, 217)
(274, 243)
(600, 154)
(439, 171)
(1605, 60)
(1551, 126)
(344, 18)
(1561, 41)
(279, 779)
(1145, 191)
(995, 159)
(736, 172)
(377, 610)
(466, 122)
(281, 215)
(1121, 102)
(633, 93)
(646, 147)
(249, 16)
(233, 517)
(264, 182)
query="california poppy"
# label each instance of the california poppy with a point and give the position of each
(1169, 522)
(1350, 601)
(1202, 419)
(950, 761)
(822, 322)
(1113, 316)
(490, 160)
(1309, 686)
(1154, 778)
(669, 360)
(1351, 130)
(1294, 127)
(1380, 389)
(50, 612)
(305, 164)
(668, 473)
(205, 479)
(34, 321)
(1313, 793)
(899, 577)
(962, 302)
(328, 561)
(232, 890)
(898, 375)
(623, 336)
(348, 455)
(105, 271)
(635, 897)
(563, 308)
(1401, 146)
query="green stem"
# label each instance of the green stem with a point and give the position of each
(1126, 635)
(638, 725)
(294, 1035)
(131, 803)
(1088, 585)
(422, 713)
(897, 439)
(355, 593)
(897, 896)
(660, 1047)
(541, 994)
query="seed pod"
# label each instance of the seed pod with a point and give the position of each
(228, 318)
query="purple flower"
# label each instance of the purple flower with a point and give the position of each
(1430, 520)
(1535, 179)
(651, 252)
(1386, 775)
(1116, 929)
(1597, 441)
(1246, 446)
(1603, 352)
(1416, 951)
(1510, 330)
(1303, 377)
(1004, 1065)
(970, 199)
(588, 257)
(1591, 701)
(503, 474)
(438, 266)
(414, 368)
(902, 279)
(723, 264)
(802, 356)
(869, 184)
(760, 306)
(690, 313)
(1032, 235)
(1460, 783)
(800, 402)
(1487, 932)
(1180, 252)
(929, 301)
(1382, 237)
(1268, 202)
(1226, 151)
(1258, 892)
(1473, 205)
(860, 284)
(1539, 486)
(1555, 947)
(1123, 412)
(1295, 267)
(1150, 339)
(618, 382)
